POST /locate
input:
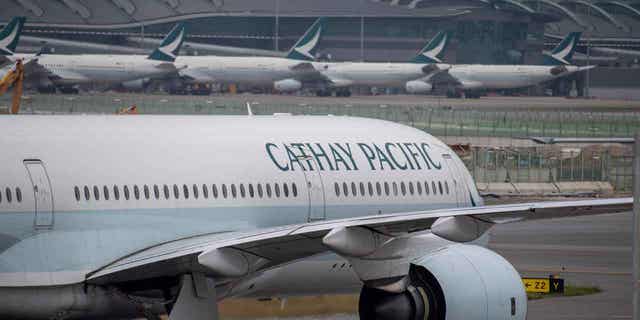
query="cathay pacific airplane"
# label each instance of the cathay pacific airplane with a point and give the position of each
(340, 76)
(9, 37)
(283, 74)
(114, 217)
(68, 71)
(473, 78)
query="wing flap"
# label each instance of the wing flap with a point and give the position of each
(285, 244)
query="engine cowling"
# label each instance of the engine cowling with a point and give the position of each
(287, 85)
(460, 282)
(418, 86)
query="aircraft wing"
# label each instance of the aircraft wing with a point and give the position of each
(196, 75)
(268, 248)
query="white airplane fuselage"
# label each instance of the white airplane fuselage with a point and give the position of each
(241, 70)
(98, 68)
(480, 77)
(371, 73)
(169, 166)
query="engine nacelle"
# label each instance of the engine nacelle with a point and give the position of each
(460, 282)
(287, 85)
(418, 86)
(136, 85)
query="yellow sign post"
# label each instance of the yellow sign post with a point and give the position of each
(543, 285)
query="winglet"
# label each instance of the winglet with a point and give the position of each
(563, 52)
(306, 46)
(170, 46)
(249, 110)
(434, 50)
(10, 35)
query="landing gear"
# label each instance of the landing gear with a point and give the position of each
(423, 299)
(328, 93)
(343, 93)
(323, 93)
(68, 90)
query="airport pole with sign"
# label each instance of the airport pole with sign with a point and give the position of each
(636, 228)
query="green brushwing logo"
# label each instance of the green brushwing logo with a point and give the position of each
(170, 46)
(563, 52)
(10, 35)
(434, 50)
(305, 48)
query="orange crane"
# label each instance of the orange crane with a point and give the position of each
(14, 78)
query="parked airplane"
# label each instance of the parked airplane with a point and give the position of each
(66, 72)
(340, 76)
(283, 74)
(170, 214)
(471, 79)
(9, 37)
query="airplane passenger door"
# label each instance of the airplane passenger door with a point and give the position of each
(458, 186)
(314, 187)
(42, 192)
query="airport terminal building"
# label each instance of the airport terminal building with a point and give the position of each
(484, 31)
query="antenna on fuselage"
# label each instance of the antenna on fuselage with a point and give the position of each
(249, 111)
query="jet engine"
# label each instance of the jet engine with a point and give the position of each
(287, 85)
(418, 86)
(459, 282)
(136, 85)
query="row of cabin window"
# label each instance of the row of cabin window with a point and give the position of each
(393, 188)
(155, 191)
(8, 195)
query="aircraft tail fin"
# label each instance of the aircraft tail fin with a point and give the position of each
(306, 46)
(563, 52)
(434, 50)
(10, 35)
(170, 46)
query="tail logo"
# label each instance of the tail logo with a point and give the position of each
(437, 50)
(9, 36)
(170, 46)
(306, 48)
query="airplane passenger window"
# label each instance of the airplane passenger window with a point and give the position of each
(345, 189)
(337, 188)
(205, 191)
(76, 191)
(224, 191)
(395, 188)
(378, 189)
(18, 195)
(426, 188)
(156, 191)
(185, 191)
(234, 191)
(386, 188)
(214, 191)
(176, 191)
(433, 188)
(242, 191)
(276, 188)
(126, 192)
(195, 191)
(105, 191)
(136, 191)
(440, 186)
(361, 189)
(419, 187)
(294, 190)
(0, 196)
(370, 189)
(403, 188)
(146, 191)
(446, 187)
(285, 189)
(251, 191)
(268, 187)
(411, 187)
(116, 192)
(96, 193)
(260, 190)
(8, 194)
(165, 189)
